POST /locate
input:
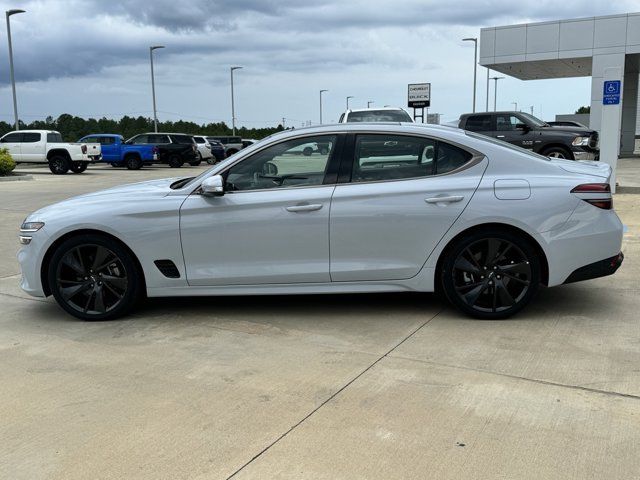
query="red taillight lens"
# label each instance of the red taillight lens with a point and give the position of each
(83, 148)
(597, 194)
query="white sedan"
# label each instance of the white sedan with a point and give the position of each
(383, 208)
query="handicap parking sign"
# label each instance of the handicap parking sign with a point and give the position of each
(611, 92)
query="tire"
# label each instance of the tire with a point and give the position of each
(94, 277)
(59, 165)
(490, 288)
(197, 161)
(133, 162)
(558, 152)
(212, 160)
(230, 152)
(175, 161)
(79, 167)
(307, 151)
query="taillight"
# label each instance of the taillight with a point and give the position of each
(597, 194)
(83, 148)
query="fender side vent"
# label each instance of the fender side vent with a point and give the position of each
(167, 268)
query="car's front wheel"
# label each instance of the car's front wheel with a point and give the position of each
(94, 277)
(491, 274)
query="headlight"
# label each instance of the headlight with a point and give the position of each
(580, 142)
(31, 227)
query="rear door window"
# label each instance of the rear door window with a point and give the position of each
(182, 139)
(479, 123)
(31, 137)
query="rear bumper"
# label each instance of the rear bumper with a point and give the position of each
(602, 268)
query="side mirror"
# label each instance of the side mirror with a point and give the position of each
(213, 186)
(522, 126)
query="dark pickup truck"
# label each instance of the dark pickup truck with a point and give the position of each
(529, 132)
(175, 149)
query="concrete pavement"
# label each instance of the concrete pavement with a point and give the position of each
(319, 387)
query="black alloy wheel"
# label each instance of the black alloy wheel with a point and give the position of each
(491, 276)
(79, 167)
(94, 278)
(59, 165)
(133, 162)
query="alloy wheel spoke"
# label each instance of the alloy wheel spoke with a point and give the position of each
(71, 261)
(521, 267)
(494, 303)
(101, 256)
(493, 247)
(99, 302)
(515, 278)
(469, 285)
(69, 292)
(114, 292)
(86, 305)
(472, 297)
(465, 265)
(113, 281)
(505, 297)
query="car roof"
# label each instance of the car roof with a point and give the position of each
(375, 109)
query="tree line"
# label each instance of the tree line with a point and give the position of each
(73, 128)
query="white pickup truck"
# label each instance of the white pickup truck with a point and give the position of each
(46, 146)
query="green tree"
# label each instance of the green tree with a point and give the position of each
(586, 109)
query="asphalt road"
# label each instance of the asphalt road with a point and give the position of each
(318, 387)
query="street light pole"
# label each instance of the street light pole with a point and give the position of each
(13, 80)
(153, 87)
(233, 105)
(487, 106)
(475, 67)
(369, 103)
(321, 92)
(350, 96)
(495, 91)
(516, 105)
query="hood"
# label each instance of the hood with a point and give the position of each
(577, 130)
(584, 167)
(123, 193)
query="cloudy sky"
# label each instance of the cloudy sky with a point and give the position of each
(91, 58)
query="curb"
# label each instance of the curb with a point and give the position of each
(16, 177)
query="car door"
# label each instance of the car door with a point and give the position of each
(272, 224)
(110, 150)
(507, 130)
(404, 193)
(13, 143)
(32, 147)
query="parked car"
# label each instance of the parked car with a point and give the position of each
(529, 132)
(566, 123)
(387, 208)
(387, 114)
(231, 144)
(217, 149)
(118, 153)
(246, 142)
(47, 146)
(204, 148)
(174, 149)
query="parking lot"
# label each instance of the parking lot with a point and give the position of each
(319, 387)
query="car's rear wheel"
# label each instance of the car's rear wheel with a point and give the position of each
(59, 165)
(93, 277)
(231, 152)
(79, 167)
(212, 160)
(133, 162)
(197, 161)
(558, 152)
(491, 274)
(175, 161)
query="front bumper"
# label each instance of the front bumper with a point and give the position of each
(585, 155)
(602, 268)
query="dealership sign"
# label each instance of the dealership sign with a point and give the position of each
(419, 95)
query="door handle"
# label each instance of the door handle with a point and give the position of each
(304, 208)
(450, 199)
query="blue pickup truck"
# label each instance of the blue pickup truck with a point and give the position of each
(121, 154)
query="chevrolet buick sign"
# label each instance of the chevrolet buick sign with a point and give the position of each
(419, 95)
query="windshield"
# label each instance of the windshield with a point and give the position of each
(535, 120)
(379, 116)
(508, 145)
